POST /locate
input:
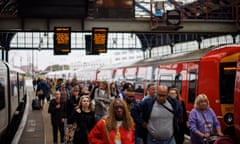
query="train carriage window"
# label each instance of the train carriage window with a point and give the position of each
(192, 85)
(227, 81)
(166, 80)
(178, 82)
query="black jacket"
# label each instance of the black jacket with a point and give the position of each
(56, 113)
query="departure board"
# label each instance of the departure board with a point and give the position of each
(99, 41)
(62, 40)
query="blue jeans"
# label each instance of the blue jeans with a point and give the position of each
(138, 140)
(152, 140)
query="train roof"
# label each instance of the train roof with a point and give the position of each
(180, 57)
(117, 65)
(223, 51)
(195, 55)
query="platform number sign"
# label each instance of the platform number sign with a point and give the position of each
(99, 40)
(173, 17)
(62, 40)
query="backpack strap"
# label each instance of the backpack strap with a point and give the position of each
(107, 131)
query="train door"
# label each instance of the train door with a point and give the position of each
(237, 101)
(140, 83)
(227, 82)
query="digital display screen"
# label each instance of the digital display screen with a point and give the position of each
(62, 40)
(100, 39)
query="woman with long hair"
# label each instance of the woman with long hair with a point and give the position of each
(114, 93)
(182, 122)
(117, 127)
(85, 120)
(102, 100)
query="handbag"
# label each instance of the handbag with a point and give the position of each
(212, 138)
(69, 133)
(40, 92)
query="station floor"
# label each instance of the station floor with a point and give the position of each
(38, 129)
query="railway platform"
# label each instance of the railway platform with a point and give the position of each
(37, 126)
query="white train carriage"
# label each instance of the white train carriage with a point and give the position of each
(12, 95)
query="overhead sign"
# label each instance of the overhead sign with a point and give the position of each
(99, 40)
(62, 40)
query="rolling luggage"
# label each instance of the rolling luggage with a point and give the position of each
(36, 104)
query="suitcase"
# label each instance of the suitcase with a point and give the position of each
(36, 104)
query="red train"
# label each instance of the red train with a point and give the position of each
(212, 71)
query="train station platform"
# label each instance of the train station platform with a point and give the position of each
(36, 127)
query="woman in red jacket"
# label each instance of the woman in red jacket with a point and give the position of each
(117, 127)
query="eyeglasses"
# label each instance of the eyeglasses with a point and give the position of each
(161, 95)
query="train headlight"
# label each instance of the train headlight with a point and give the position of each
(228, 118)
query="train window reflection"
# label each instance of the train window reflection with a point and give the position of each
(166, 80)
(178, 82)
(192, 85)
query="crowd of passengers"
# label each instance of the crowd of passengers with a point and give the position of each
(105, 113)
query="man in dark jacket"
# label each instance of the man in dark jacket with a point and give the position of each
(42, 85)
(158, 117)
(34, 82)
(58, 115)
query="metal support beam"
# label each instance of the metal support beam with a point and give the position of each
(3, 50)
(117, 25)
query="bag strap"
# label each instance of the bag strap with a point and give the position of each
(205, 120)
(167, 108)
(107, 131)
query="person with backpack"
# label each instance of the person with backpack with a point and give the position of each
(42, 91)
(102, 100)
(158, 117)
